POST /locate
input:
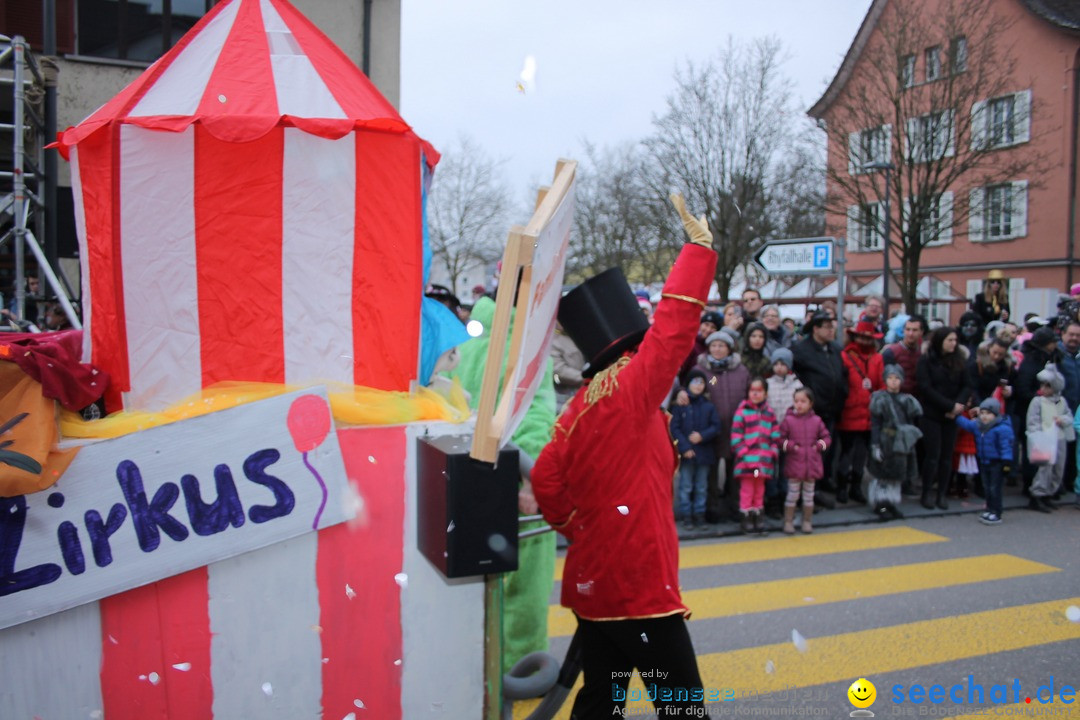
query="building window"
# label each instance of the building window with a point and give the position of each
(930, 137)
(933, 63)
(958, 54)
(907, 71)
(1001, 122)
(138, 30)
(998, 212)
(865, 227)
(872, 145)
(937, 225)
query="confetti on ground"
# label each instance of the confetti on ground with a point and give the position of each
(770, 667)
(154, 678)
(182, 667)
(349, 592)
(808, 599)
(799, 641)
(623, 510)
(1073, 613)
(268, 689)
(402, 579)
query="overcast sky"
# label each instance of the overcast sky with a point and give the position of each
(603, 67)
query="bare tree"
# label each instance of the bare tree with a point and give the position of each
(726, 141)
(467, 210)
(615, 217)
(929, 107)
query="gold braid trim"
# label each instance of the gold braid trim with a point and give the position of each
(687, 298)
(606, 381)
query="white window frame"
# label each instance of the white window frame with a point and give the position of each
(982, 205)
(958, 55)
(907, 71)
(932, 62)
(880, 141)
(937, 124)
(943, 208)
(983, 121)
(864, 227)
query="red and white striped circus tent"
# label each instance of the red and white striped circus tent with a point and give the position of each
(249, 208)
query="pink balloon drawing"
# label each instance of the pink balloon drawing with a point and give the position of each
(309, 423)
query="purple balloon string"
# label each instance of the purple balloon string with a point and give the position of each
(322, 505)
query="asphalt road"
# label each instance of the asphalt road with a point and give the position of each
(784, 625)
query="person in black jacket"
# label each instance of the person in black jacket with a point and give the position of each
(1039, 349)
(945, 392)
(819, 366)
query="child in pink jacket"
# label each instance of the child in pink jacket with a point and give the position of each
(803, 438)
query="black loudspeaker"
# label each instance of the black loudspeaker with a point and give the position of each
(467, 515)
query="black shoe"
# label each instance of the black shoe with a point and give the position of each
(925, 500)
(894, 511)
(823, 501)
(1050, 502)
(746, 525)
(881, 510)
(856, 494)
(942, 503)
(1036, 504)
(842, 494)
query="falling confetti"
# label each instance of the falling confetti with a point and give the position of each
(182, 667)
(316, 628)
(268, 689)
(798, 640)
(96, 715)
(644, 638)
(350, 716)
(712, 380)
(352, 502)
(398, 661)
(154, 678)
(1073, 613)
(371, 459)
(358, 703)
(769, 667)
(527, 78)
(142, 677)
(450, 527)
(325, 660)
(349, 592)
(221, 98)
(402, 579)
(497, 543)
(623, 510)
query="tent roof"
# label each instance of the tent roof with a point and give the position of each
(245, 68)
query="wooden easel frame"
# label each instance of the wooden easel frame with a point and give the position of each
(495, 403)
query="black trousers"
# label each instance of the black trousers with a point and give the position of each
(939, 439)
(659, 648)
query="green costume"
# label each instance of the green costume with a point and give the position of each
(526, 592)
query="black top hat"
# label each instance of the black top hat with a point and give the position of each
(602, 317)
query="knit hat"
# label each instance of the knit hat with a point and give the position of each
(695, 373)
(893, 369)
(713, 317)
(1043, 337)
(723, 336)
(1050, 374)
(991, 405)
(819, 317)
(783, 355)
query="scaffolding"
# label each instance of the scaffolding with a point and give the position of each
(23, 206)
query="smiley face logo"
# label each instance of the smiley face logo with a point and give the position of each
(862, 693)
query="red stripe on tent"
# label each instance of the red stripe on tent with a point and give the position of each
(240, 92)
(354, 92)
(361, 636)
(99, 171)
(388, 260)
(238, 238)
(148, 630)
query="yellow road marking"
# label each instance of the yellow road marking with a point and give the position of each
(735, 553)
(834, 587)
(872, 653)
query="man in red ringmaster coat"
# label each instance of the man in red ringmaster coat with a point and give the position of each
(605, 482)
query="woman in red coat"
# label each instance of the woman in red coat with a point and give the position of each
(864, 367)
(605, 482)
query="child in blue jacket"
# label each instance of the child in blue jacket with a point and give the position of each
(993, 449)
(695, 427)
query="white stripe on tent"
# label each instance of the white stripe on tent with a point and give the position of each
(34, 687)
(318, 208)
(180, 88)
(264, 605)
(84, 252)
(300, 90)
(157, 222)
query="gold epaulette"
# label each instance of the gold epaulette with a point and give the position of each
(606, 381)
